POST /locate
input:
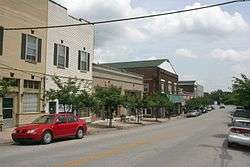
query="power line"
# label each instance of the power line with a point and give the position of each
(126, 19)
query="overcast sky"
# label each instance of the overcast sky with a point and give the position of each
(210, 46)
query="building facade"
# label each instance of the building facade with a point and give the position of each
(191, 89)
(130, 83)
(22, 60)
(158, 76)
(69, 52)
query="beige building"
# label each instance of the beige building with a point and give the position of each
(130, 83)
(22, 60)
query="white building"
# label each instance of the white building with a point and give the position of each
(69, 51)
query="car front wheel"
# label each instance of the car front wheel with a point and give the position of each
(79, 133)
(47, 138)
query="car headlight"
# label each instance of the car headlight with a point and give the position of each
(31, 131)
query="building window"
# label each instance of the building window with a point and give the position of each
(31, 84)
(162, 85)
(83, 61)
(30, 103)
(31, 48)
(170, 87)
(61, 56)
(146, 87)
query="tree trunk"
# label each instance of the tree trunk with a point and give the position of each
(110, 116)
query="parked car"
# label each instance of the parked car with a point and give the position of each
(46, 128)
(239, 133)
(240, 108)
(238, 114)
(193, 113)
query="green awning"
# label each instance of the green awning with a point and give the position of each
(176, 98)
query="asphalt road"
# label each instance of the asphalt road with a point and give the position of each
(193, 142)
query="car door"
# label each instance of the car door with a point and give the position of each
(60, 127)
(72, 124)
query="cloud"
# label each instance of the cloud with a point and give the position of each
(231, 55)
(185, 53)
(157, 30)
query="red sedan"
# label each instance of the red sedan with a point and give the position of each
(49, 127)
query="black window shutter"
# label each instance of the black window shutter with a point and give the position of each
(23, 48)
(67, 57)
(55, 54)
(79, 60)
(1, 40)
(39, 50)
(88, 61)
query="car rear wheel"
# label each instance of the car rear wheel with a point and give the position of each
(79, 133)
(47, 138)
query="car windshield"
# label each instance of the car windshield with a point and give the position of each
(242, 124)
(46, 119)
(242, 114)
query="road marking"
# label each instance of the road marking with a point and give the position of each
(173, 133)
(114, 151)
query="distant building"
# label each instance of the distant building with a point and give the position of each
(190, 89)
(130, 83)
(159, 76)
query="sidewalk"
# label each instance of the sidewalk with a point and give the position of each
(100, 126)
(5, 135)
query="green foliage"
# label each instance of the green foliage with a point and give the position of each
(68, 93)
(4, 87)
(156, 101)
(241, 91)
(198, 102)
(111, 98)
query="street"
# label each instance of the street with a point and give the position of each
(192, 142)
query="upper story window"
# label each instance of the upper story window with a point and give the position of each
(170, 87)
(83, 61)
(61, 56)
(162, 85)
(31, 48)
(1, 40)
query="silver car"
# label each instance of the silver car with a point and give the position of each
(239, 133)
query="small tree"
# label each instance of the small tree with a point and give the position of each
(241, 91)
(157, 101)
(135, 104)
(67, 93)
(111, 98)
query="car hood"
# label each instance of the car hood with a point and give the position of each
(30, 126)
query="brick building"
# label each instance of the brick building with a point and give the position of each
(158, 76)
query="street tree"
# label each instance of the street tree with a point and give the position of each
(67, 93)
(241, 91)
(111, 98)
(156, 101)
(134, 104)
